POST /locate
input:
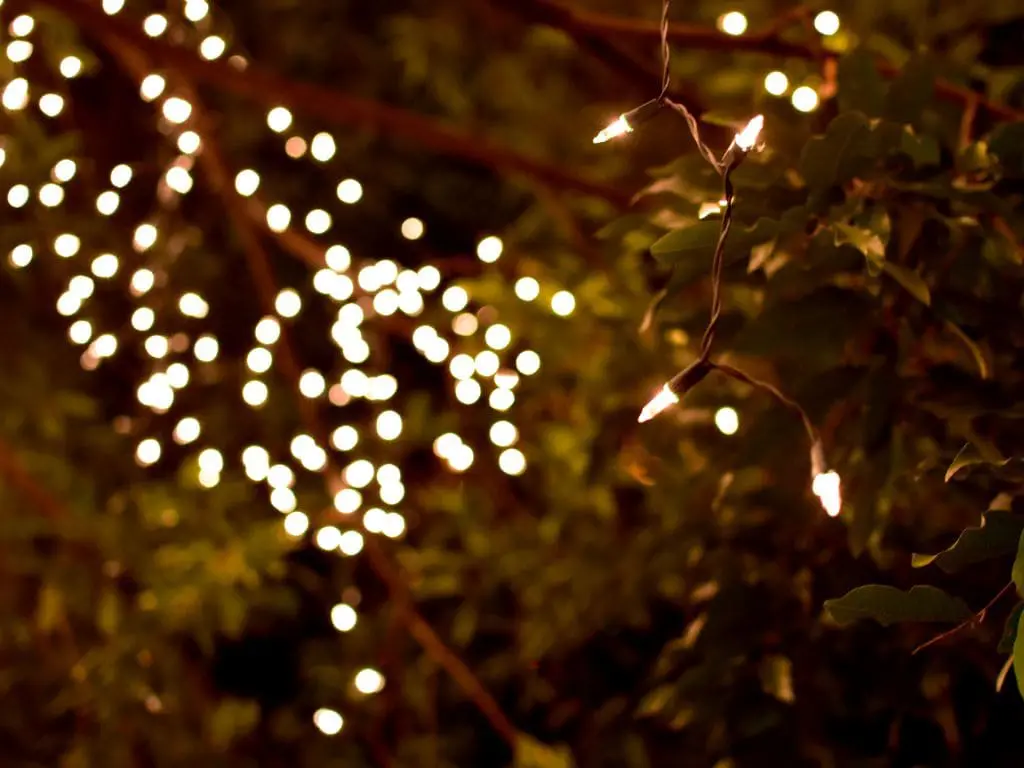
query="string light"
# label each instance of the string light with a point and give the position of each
(328, 721)
(628, 121)
(805, 99)
(733, 23)
(826, 23)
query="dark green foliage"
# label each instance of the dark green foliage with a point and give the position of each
(644, 595)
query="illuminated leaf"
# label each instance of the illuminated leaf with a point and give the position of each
(889, 605)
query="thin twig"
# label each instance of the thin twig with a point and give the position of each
(332, 106)
(974, 620)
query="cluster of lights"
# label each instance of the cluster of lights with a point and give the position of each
(825, 483)
(359, 289)
(804, 97)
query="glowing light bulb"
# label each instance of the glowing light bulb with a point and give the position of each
(776, 83)
(733, 23)
(369, 681)
(155, 25)
(327, 721)
(322, 147)
(120, 175)
(343, 617)
(826, 486)
(247, 182)
(747, 138)
(288, 303)
(618, 127)
(563, 303)
(489, 249)
(70, 66)
(412, 229)
(51, 104)
(527, 288)
(665, 398)
(212, 47)
(512, 461)
(350, 191)
(279, 119)
(296, 524)
(727, 420)
(805, 99)
(176, 110)
(152, 86)
(827, 23)
(107, 202)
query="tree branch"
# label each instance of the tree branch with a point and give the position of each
(259, 266)
(768, 41)
(268, 88)
(973, 621)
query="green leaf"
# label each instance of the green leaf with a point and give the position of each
(839, 155)
(1010, 629)
(861, 87)
(889, 605)
(1017, 572)
(910, 280)
(866, 241)
(699, 239)
(996, 536)
(1018, 655)
(530, 753)
(972, 454)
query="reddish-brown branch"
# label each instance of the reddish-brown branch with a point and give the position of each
(268, 88)
(768, 41)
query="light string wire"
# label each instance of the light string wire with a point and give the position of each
(825, 482)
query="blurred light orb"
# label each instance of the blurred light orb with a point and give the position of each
(727, 420)
(350, 191)
(827, 23)
(733, 23)
(489, 249)
(343, 617)
(328, 722)
(776, 83)
(563, 303)
(805, 99)
(527, 288)
(369, 681)
(512, 461)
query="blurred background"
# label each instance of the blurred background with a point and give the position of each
(325, 331)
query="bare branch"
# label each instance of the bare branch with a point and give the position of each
(268, 88)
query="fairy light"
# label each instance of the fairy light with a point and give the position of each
(51, 195)
(22, 26)
(498, 336)
(247, 182)
(148, 452)
(176, 110)
(278, 217)
(21, 255)
(66, 245)
(369, 681)
(412, 229)
(350, 543)
(328, 722)
(17, 196)
(527, 288)
(154, 25)
(279, 119)
(152, 87)
(144, 237)
(51, 104)
(80, 331)
(16, 94)
(805, 99)
(107, 202)
(288, 303)
(196, 10)
(776, 83)
(511, 461)
(343, 617)
(563, 303)
(528, 362)
(212, 47)
(296, 524)
(489, 249)
(70, 67)
(322, 147)
(189, 142)
(205, 349)
(733, 23)
(727, 420)
(142, 281)
(121, 176)
(465, 324)
(19, 51)
(350, 191)
(628, 122)
(255, 393)
(318, 221)
(111, 7)
(826, 23)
